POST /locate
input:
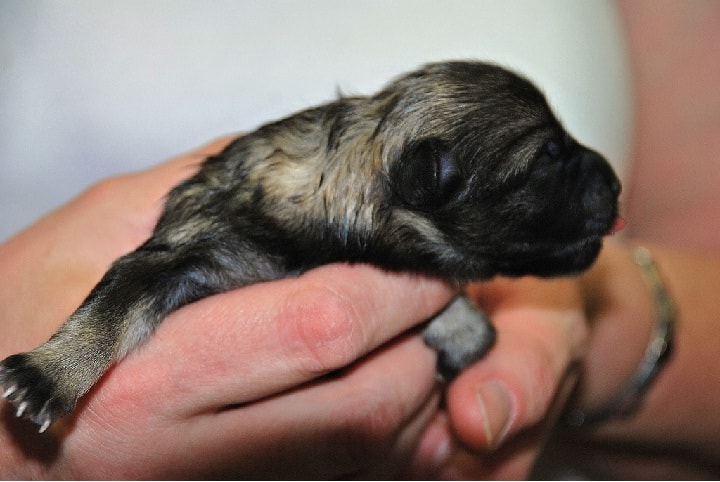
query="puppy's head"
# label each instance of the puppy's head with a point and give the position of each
(488, 171)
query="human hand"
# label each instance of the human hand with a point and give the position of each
(261, 381)
(499, 412)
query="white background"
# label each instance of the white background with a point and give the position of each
(90, 89)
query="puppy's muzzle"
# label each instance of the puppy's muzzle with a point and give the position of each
(600, 189)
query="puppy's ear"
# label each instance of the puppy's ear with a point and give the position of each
(427, 175)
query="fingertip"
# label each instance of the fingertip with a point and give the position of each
(433, 451)
(483, 409)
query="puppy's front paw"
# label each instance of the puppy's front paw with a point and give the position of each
(461, 334)
(33, 393)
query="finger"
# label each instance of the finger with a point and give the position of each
(541, 331)
(353, 421)
(335, 426)
(253, 342)
(440, 455)
(395, 465)
(513, 461)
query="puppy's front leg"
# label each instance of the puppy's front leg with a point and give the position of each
(461, 334)
(137, 292)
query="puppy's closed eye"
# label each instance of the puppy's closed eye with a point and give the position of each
(427, 176)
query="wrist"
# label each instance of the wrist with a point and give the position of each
(622, 316)
(628, 400)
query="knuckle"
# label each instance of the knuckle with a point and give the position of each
(324, 329)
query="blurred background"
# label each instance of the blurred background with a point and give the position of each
(91, 89)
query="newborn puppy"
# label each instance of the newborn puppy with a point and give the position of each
(458, 170)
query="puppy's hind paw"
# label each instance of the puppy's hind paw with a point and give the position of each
(461, 335)
(32, 393)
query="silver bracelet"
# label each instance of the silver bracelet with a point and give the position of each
(656, 356)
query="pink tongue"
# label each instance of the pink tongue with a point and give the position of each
(619, 224)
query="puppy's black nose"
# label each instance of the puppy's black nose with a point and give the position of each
(595, 167)
(601, 188)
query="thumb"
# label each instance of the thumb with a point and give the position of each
(542, 330)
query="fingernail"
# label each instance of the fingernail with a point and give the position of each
(441, 455)
(497, 408)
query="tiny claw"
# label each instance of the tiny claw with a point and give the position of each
(9, 391)
(21, 409)
(44, 425)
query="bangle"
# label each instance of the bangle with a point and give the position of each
(656, 356)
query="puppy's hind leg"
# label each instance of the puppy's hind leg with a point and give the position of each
(121, 311)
